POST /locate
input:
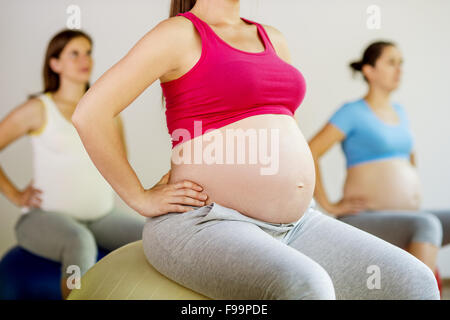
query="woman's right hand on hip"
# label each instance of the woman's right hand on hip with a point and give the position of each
(165, 198)
(348, 206)
(29, 197)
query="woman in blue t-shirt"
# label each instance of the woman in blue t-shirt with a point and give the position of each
(382, 191)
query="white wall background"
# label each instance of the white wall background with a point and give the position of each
(324, 36)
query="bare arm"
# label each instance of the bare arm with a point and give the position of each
(154, 55)
(20, 121)
(319, 145)
(120, 127)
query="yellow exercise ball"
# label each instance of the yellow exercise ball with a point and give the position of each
(125, 274)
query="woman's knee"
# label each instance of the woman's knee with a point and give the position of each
(427, 229)
(409, 279)
(312, 284)
(80, 237)
(422, 284)
(80, 249)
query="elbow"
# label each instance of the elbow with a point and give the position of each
(77, 119)
(316, 159)
(76, 122)
(314, 154)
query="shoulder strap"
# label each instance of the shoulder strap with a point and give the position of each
(46, 100)
(263, 33)
(198, 24)
(203, 29)
(401, 113)
(51, 108)
(40, 130)
(211, 37)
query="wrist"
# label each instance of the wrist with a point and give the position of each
(137, 201)
(325, 204)
(14, 196)
(331, 208)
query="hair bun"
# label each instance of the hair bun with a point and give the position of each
(357, 66)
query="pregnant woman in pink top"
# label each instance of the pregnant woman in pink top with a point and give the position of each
(235, 219)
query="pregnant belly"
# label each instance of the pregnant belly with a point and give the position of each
(263, 168)
(386, 185)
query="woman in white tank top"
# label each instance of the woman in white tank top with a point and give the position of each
(68, 208)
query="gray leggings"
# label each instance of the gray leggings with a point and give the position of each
(223, 254)
(403, 227)
(61, 238)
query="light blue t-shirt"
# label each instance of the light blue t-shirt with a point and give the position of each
(368, 137)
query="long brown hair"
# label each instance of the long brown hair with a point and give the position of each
(54, 49)
(176, 7)
(180, 6)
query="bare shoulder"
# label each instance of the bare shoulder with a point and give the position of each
(173, 26)
(26, 118)
(174, 32)
(279, 42)
(32, 114)
(169, 41)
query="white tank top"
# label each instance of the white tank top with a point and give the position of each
(62, 169)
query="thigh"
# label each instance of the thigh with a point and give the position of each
(362, 266)
(444, 217)
(398, 227)
(230, 259)
(117, 228)
(51, 234)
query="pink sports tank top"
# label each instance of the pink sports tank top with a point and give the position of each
(227, 84)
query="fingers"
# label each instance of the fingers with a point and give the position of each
(352, 206)
(190, 193)
(30, 188)
(187, 184)
(31, 197)
(187, 196)
(34, 202)
(184, 200)
(181, 195)
(34, 197)
(178, 208)
(356, 205)
(359, 204)
(355, 208)
(353, 211)
(358, 200)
